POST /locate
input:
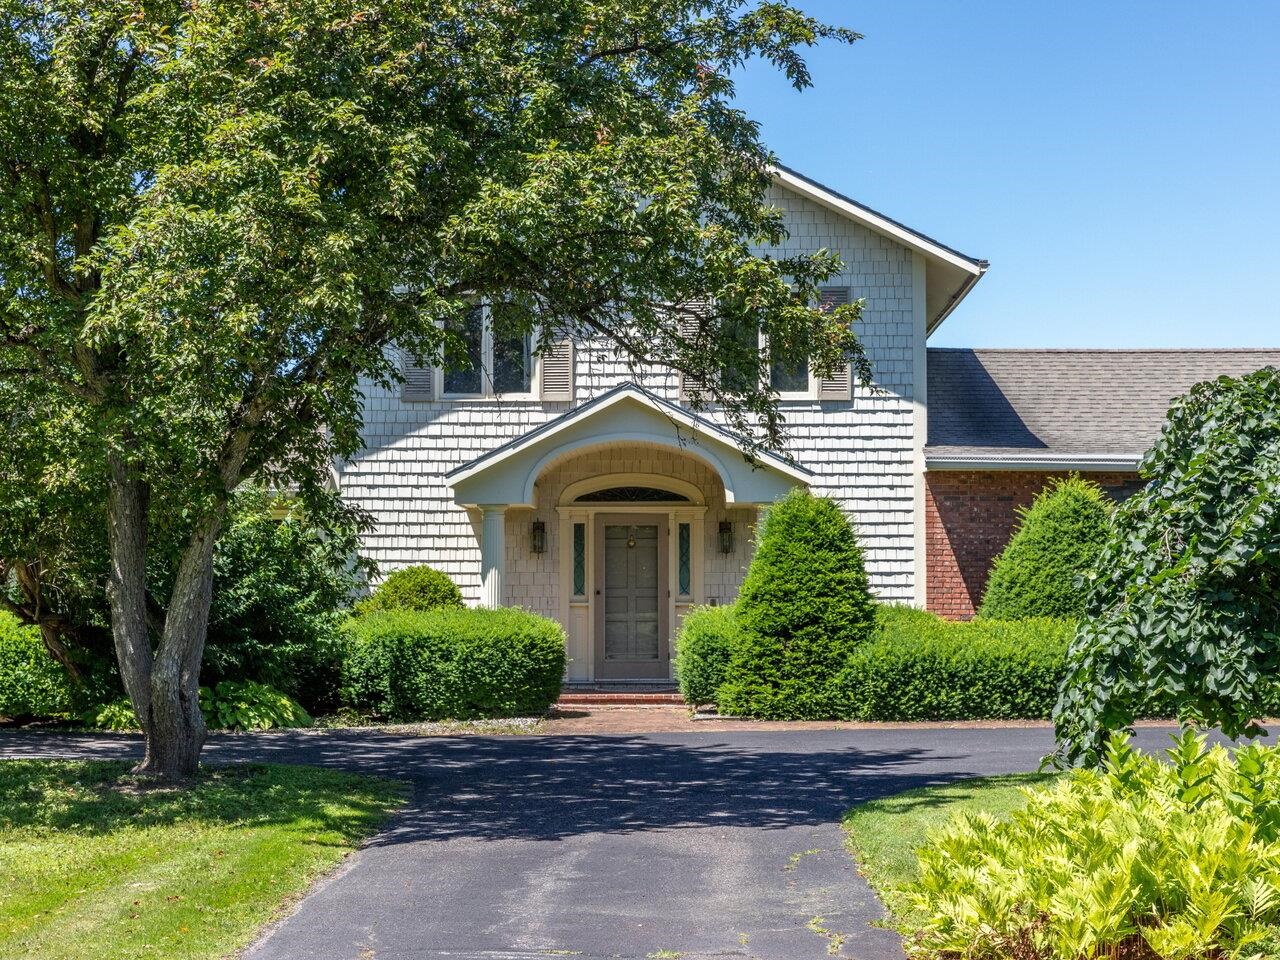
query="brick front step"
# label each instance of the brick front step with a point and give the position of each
(618, 695)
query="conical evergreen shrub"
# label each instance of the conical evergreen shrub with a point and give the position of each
(803, 608)
(1058, 540)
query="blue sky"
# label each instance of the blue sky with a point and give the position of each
(1118, 164)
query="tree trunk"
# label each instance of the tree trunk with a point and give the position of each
(175, 729)
(127, 582)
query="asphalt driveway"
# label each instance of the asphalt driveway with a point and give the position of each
(724, 844)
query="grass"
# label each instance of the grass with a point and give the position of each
(884, 835)
(97, 864)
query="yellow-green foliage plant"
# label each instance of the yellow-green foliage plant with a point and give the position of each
(1139, 859)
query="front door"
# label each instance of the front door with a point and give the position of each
(631, 641)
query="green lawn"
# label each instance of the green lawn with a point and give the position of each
(94, 864)
(883, 835)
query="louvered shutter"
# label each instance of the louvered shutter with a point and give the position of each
(419, 382)
(557, 371)
(837, 385)
(689, 322)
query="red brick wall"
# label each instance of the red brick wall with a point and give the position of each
(969, 517)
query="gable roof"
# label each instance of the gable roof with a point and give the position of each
(627, 413)
(950, 274)
(1047, 409)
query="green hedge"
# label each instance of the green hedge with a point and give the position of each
(453, 664)
(918, 666)
(31, 682)
(703, 648)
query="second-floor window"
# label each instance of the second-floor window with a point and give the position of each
(496, 362)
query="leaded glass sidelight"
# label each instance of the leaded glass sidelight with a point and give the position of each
(579, 559)
(686, 561)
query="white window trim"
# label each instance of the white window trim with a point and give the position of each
(810, 393)
(486, 370)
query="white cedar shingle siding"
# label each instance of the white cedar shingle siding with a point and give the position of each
(860, 449)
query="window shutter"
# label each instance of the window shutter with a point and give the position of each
(837, 385)
(419, 382)
(557, 371)
(688, 325)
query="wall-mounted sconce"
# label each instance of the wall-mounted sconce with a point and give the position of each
(538, 537)
(726, 536)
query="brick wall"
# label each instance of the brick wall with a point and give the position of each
(969, 517)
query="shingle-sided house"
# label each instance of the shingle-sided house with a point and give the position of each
(560, 484)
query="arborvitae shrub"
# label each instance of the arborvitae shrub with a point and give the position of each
(803, 609)
(413, 588)
(703, 648)
(1058, 541)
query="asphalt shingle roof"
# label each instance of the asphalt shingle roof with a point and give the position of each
(1059, 404)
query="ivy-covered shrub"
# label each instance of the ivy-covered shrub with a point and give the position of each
(918, 666)
(453, 663)
(1140, 859)
(1056, 544)
(245, 705)
(703, 648)
(803, 609)
(413, 588)
(32, 684)
(1184, 604)
(281, 588)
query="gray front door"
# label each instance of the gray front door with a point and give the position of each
(631, 597)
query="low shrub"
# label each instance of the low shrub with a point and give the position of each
(1057, 543)
(918, 666)
(453, 664)
(703, 648)
(1140, 859)
(413, 588)
(804, 607)
(32, 683)
(117, 715)
(246, 705)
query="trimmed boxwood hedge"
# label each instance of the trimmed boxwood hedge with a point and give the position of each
(918, 666)
(453, 664)
(32, 683)
(703, 648)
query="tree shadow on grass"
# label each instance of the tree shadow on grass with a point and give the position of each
(101, 797)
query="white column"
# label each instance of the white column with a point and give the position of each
(493, 555)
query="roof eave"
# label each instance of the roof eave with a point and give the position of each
(1082, 463)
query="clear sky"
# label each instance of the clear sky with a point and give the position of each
(1118, 164)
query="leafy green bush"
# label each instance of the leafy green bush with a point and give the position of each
(1140, 859)
(246, 705)
(280, 589)
(1185, 600)
(804, 607)
(117, 715)
(32, 683)
(703, 648)
(918, 666)
(413, 588)
(454, 663)
(1056, 544)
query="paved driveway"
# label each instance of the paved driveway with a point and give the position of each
(722, 844)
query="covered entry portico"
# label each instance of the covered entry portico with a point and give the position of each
(615, 518)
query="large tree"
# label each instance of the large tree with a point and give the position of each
(218, 215)
(1183, 605)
